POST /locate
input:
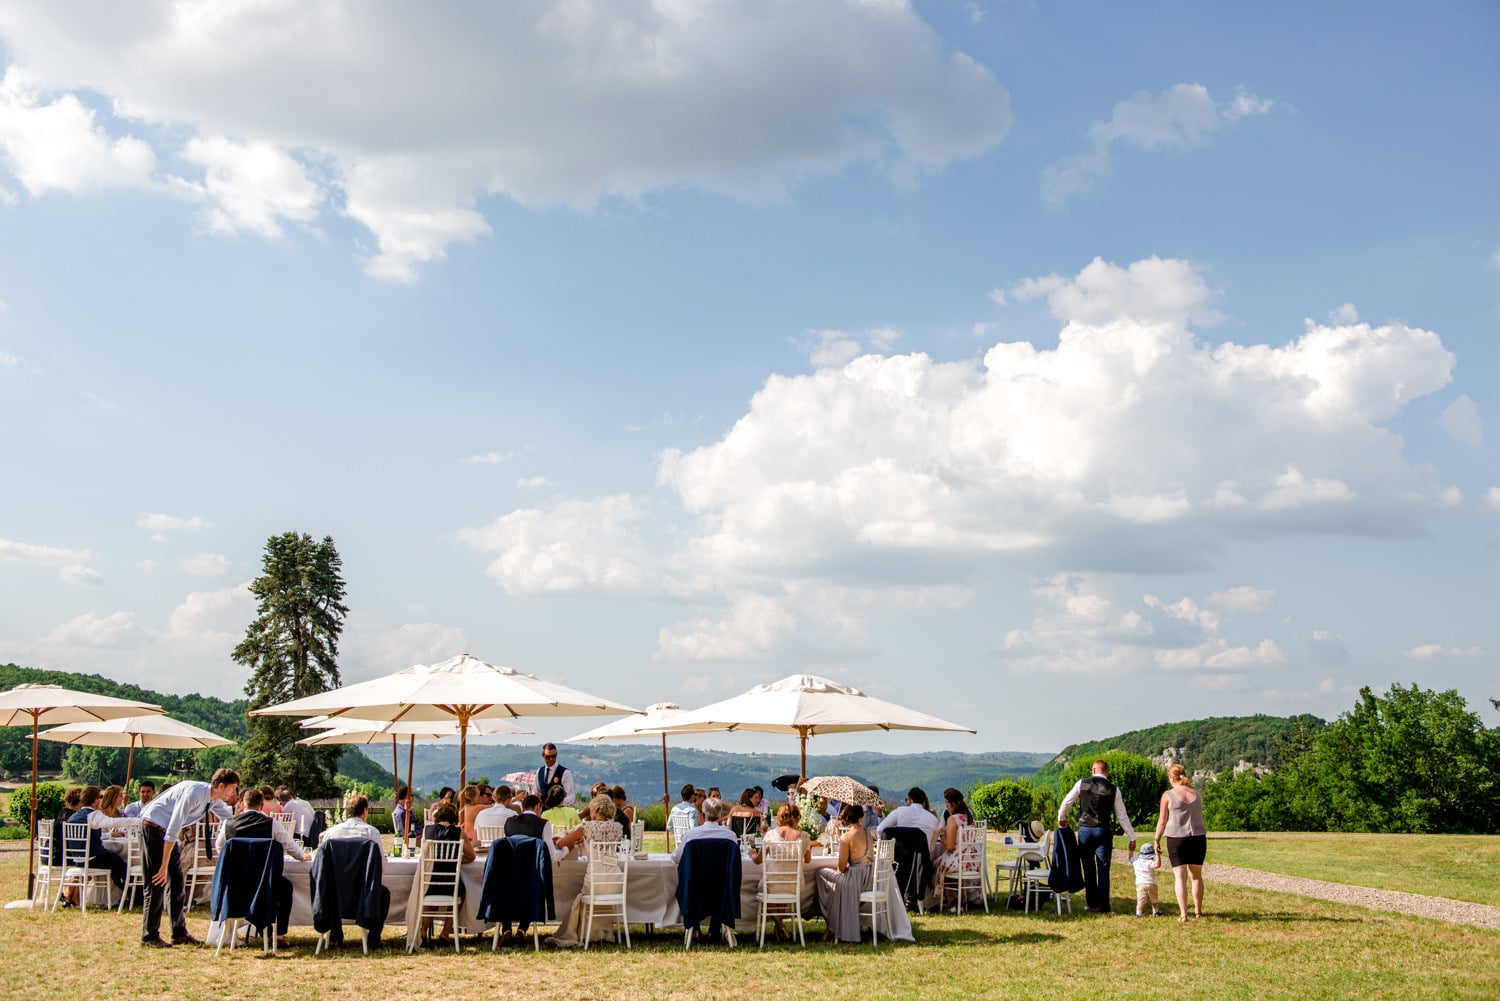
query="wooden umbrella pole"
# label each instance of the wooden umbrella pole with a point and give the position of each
(411, 790)
(31, 855)
(463, 749)
(802, 730)
(129, 764)
(666, 787)
(395, 765)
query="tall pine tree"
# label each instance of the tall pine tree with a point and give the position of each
(292, 651)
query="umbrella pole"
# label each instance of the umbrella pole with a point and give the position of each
(802, 730)
(31, 854)
(129, 764)
(411, 790)
(666, 788)
(395, 766)
(463, 750)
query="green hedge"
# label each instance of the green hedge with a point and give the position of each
(49, 800)
(654, 815)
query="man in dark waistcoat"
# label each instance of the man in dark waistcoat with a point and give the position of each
(1096, 797)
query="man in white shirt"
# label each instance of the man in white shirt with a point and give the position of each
(162, 822)
(248, 824)
(354, 826)
(914, 814)
(299, 808)
(685, 812)
(1097, 797)
(553, 774)
(503, 809)
(146, 793)
(712, 827)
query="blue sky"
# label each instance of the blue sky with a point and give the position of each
(1056, 369)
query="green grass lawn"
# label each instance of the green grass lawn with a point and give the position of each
(1455, 866)
(1252, 945)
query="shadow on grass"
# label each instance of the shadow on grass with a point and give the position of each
(1272, 917)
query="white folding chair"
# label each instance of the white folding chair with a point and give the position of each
(1036, 881)
(677, 825)
(969, 872)
(780, 893)
(47, 875)
(287, 822)
(605, 882)
(486, 835)
(1013, 870)
(76, 871)
(135, 872)
(878, 896)
(199, 865)
(437, 890)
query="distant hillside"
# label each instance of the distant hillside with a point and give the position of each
(225, 718)
(1215, 745)
(638, 767)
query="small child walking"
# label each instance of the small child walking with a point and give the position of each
(1145, 864)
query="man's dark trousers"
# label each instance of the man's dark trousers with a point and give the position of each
(1095, 848)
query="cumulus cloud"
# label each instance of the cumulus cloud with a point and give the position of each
(836, 348)
(1433, 651)
(1182, 117)
(8, 360)
(77, 574)
(755, 624)
(486, 459)
(1461, 421)
(561, 104)
(370, 649)
(118, 630)
(1344, 314)
(206, 565)
(41, 555)
(172, 523)
(1492, 498)
(534, 482)
(1243, 599)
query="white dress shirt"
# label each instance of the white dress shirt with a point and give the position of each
(567, 780)
(354, 829)
(910, 815)
(709, 829)
(182, 806)
(1120, 814)
(494, 816)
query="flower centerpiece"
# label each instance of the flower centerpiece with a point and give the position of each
(812, 820)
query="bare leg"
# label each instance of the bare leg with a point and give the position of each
(1180, 878)
(1196, 871)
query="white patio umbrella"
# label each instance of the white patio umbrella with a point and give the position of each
(133, 732)
(342, 730)
(805, 704)
(37, 704)
(463, 688)
(634, 727)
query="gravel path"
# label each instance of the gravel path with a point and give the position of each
(1438, 908)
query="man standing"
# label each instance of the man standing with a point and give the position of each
(162, 821)
(354, 826)
(146, 793)
(1096, 796)
(552, 774)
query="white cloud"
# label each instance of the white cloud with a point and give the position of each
(1492, 498)
(486, 459)
(77, 574)
(251, 187)
(57, 144)
(1450, 497)
(1181, 117)
(755, 624)
(206, 625)
(1243, 599)
(8, 360)
(172, 523)
(1345, 314)
(115, 631)
(1326, 648)
(370, 649)
(1461, 421)
(560, 104)
(206, 565)
(40, 555)
(1433, 651)
(576, 547)
(836, 348)
(1217, 682)
(534, 482)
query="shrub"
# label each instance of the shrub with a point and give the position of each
(1002, 804)
(1139, 779)
(654, 815)
(49, 800)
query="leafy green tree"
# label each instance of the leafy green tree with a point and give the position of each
(1002, 804)
(292, 652)
(1140, 780)
(1412, 760)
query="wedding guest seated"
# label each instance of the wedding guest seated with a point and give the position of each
(111, 801)
(99, 857)
(468, 809)
(499, 813)
(404, 819)
(624, 812)
(873, 814)
(299, 808)
(254, 821)
(686, 811)
(959, 817)
(530, 823)
(712, 827)
(556, 811)
(273, 806)
(787, 831)
(445, 827)
(745, 816)
(146, 792)
(600, 826)
(354, 825)
(916, 813)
